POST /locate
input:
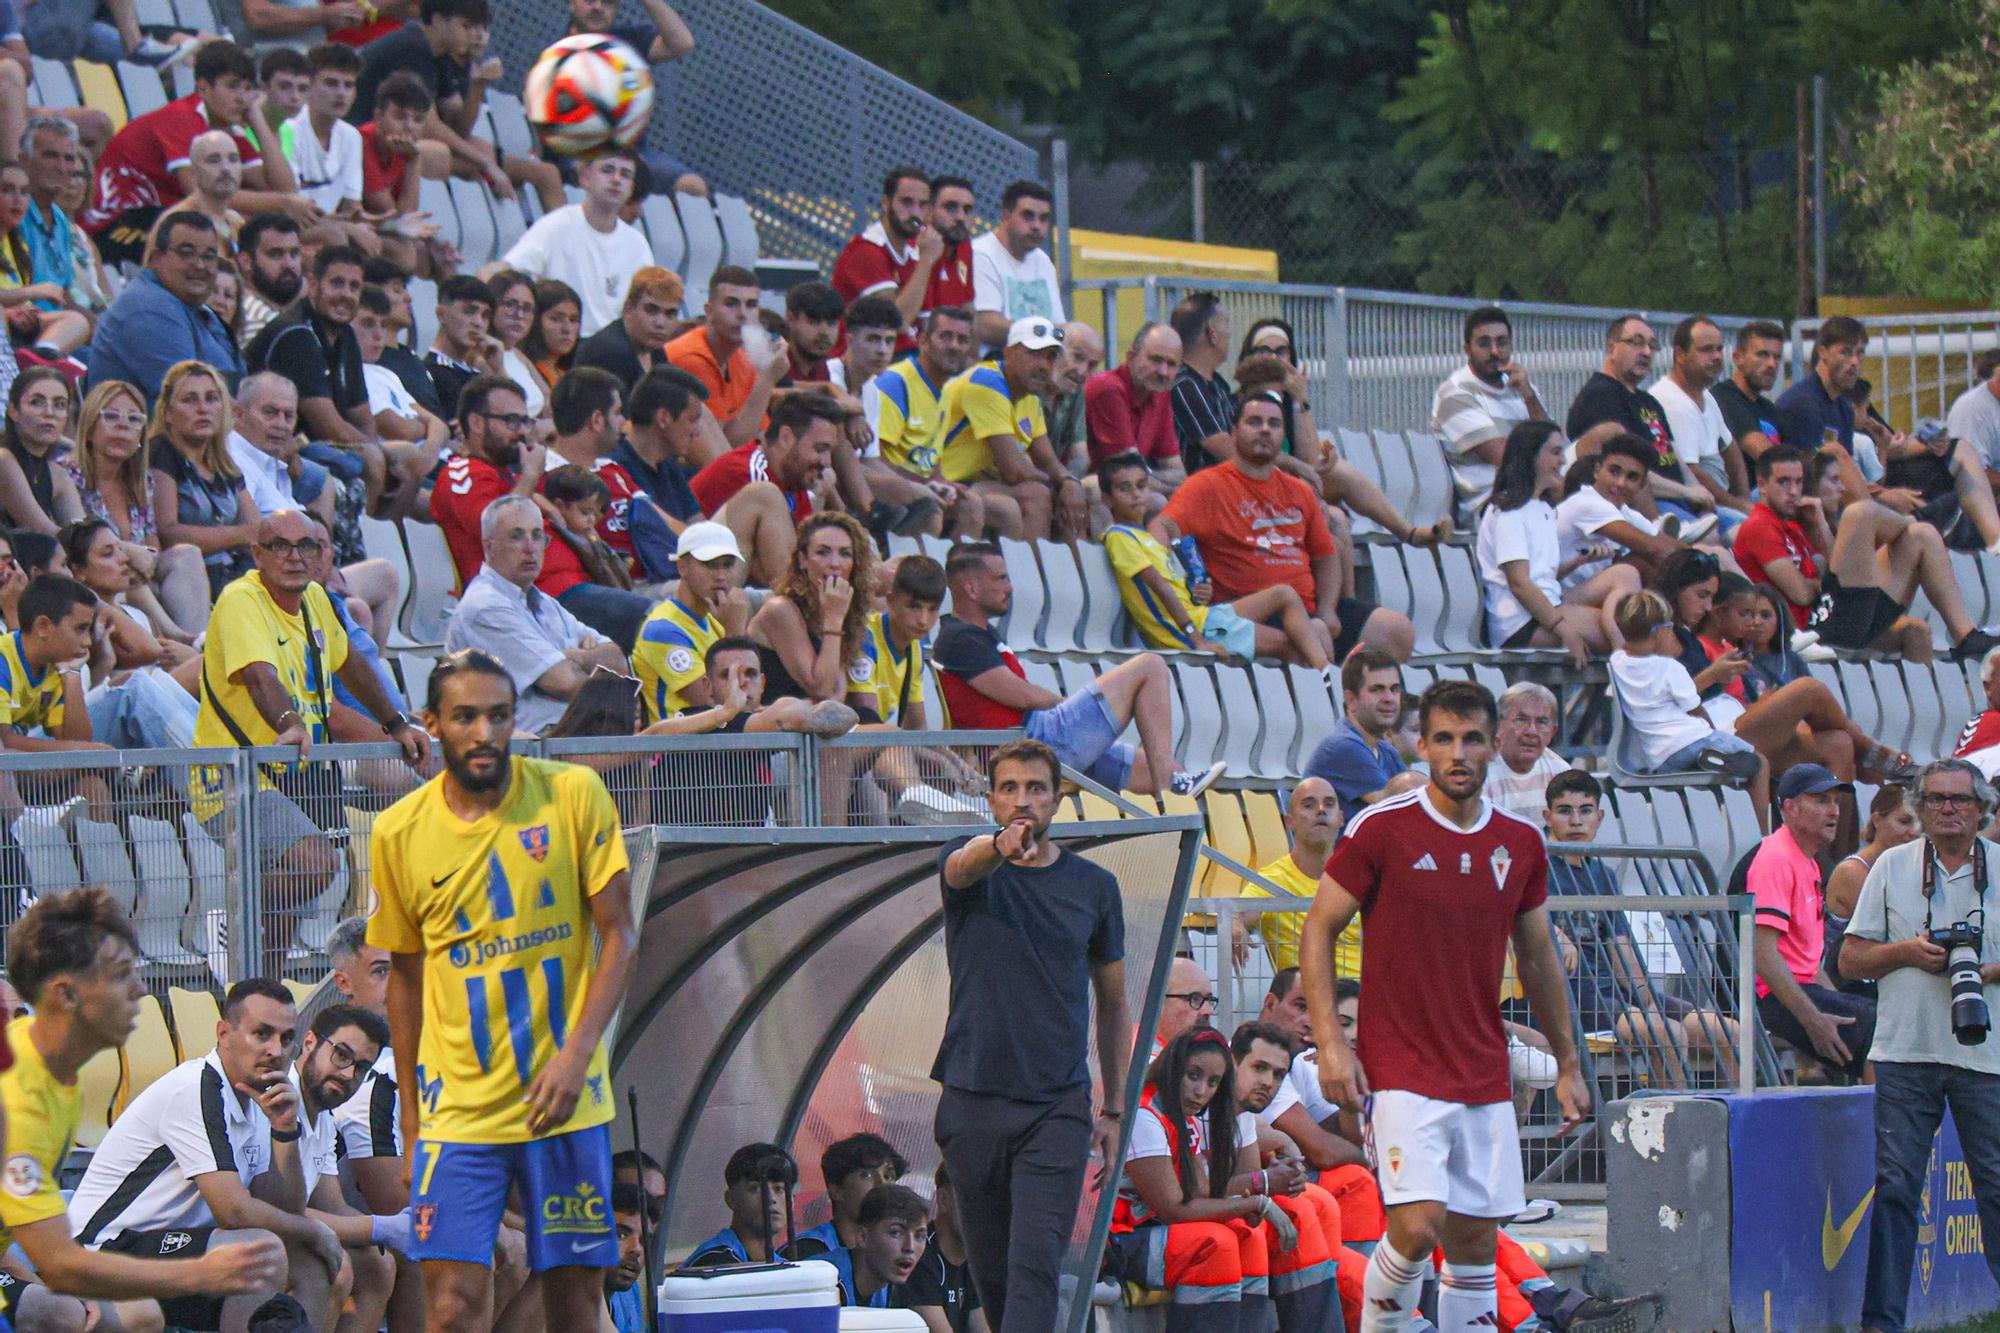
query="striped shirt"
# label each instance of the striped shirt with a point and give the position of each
(1204, 405)
(1466, 413)
(369, 1122)
(190, 1123)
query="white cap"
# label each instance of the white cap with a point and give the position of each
(708, 541)
(1036, 333)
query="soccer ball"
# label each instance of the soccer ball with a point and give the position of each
(587, 93)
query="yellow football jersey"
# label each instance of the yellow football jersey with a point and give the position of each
(27, 701)
(670, 655)
(1133, 550)
(899, 681)
(977, 407)
(911, 414)
(1281, 930)
(498, 909)
(42, 1116)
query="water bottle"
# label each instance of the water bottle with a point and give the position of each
(1190, 556)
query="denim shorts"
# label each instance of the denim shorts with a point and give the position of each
(1716, 742)
(1084, 736)
(1230, 630)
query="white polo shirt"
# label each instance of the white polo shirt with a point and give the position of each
(370, 1122)
(190, 1123)
(1301, 1087)
(319, 1141)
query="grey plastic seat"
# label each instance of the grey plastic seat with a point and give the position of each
(1242, 723)
(141, 85)
(476, 228)
(1279, 743)
(155, 13)
(423, 311)
(434, 198)
(510, 223)
(704, 247)
(1319, 711)
(1434, 495)
(198, 14)
(1864, 706)
(1926, 708)
(55, 89)
(1621, 756)
(1065, 597)
(663, 229)
(1102, 605)
(1200, 735)
(1045, 675)
(739, 230)
(1358, 449)
(1022, 625)
(1427, 600)
(511, 132)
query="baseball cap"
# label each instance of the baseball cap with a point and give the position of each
(1036, 333)
(708, 541)
(1807, 780)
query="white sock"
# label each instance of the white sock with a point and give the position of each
(1389, 1293)
(1468, 1301)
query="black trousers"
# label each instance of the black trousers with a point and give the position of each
(1017, 1168)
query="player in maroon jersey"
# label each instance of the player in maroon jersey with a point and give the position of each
(1444, 881)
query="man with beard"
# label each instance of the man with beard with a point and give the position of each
(633, 1215)
(995, 438)
(341, 1044)
(952, 207)
(909, 416)
(162, 317)
(75, 958)
(174, 1177)
(499, 1023)
(271, 259)
(1450, 879)
(1612, 403)
(495, 457)
(896, 254)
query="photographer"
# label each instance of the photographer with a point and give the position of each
(1931, 1046)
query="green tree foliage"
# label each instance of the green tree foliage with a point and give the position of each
(1923, 175)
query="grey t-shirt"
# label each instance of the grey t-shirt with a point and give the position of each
(1913, 1008)
(1975, 418)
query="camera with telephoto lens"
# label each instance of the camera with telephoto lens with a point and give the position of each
(1969, 1017)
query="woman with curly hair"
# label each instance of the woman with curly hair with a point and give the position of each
(812, 631)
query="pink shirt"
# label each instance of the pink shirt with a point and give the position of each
(1785, 883)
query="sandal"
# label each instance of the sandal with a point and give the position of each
(1432, 536)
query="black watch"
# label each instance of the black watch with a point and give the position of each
(286, 1135)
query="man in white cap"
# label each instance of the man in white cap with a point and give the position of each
(548, 652)
(995, 439)
(707, 605)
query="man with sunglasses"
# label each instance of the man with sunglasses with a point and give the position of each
(340, 1047)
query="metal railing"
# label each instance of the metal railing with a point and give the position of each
(1916, 364)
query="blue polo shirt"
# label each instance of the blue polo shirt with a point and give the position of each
(1352, 766)
(148, 329)
(1806, 411)
(50, 248)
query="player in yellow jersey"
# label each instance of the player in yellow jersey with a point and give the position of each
(490, 881)
(41, 695)
(74, 957)
(675, 638)
(907, 401)
(995, 438)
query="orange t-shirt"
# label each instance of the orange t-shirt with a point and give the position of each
(1252, 534)
(728, 389)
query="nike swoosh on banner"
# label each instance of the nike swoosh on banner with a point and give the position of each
(1833, 1241)
(584, 1246)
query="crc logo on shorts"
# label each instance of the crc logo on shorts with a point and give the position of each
(579, 1212)
(1395, 1160)
(466, 953)
(535, 842)
(680, 660)
(861, 672)
(22, 1176)
(175, 1240)
(423, 1220)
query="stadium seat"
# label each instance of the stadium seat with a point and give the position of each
(1926, 709)
(1074, 675)
(1277, 748)
(155, 13)
(161, 913)
(1428, 602)
(704, 247)
(1432, 496)
(1966, 568)
(98, 1080)
(1460, 629)
(1864, 704)
(1268, 839)
(663, 229)
(301, 990)
(99, 86)
(423, 312)
(1319, 709)
(53, 86)
(510, 223)
(1228, 832)
(1043, 674)
(42, 834)
(1095, 807)
(1065, 597)
(511, 131)
(1021, 627)
(900, 546)
(1357, 448)
(142, 88)
(434, 198)
(200, 16)
(180, 79)
(415, 669)
(382, 539)
(739, 229)
(1621, 757)
(1242, 725)
(475, 221)
(208, 907)
(1200, 737)
(1102, 606)
(149, 1053)
(100, 849)
(195, 1015)
(434, 584)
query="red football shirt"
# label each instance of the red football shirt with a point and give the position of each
(463, 490)
(715, 484)
(1438, 905)
(1982, 733)
(379, 170)
(951, 280)
(136, 169)
(1765, 539)
(870, 265)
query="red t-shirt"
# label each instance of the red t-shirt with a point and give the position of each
(951, 280)
(463, 490)
(715, 484)
(137, 166)
(1982, 733)
(1438, 905)
(379, 170)
(1119, 423)
(616, 529)
(363, 33)
(1766, 538)
(1253, 534)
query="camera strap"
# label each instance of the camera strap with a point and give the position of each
(1930, 880)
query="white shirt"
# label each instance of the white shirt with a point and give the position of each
(189, 1123)
(370, 1122)
(1301, 1088)
(267, 479)
(1467, 412)
(1017, 288)
(526, 629)
(1578, 521)
(1700, 434)
(386, 392)
(1913, 1007)
(1507, 535)
(1975, 418)
(329, 174)
(1656, 693)
(525, 379)
(1149, 1136)
(319, 1142)
(1524, 794)
(599, 265)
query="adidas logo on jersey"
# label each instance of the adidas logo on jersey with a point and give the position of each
(1424, 862)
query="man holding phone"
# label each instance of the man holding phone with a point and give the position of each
(1029, 928)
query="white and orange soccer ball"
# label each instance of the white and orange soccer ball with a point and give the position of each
(587, 93)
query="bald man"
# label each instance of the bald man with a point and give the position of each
(1189, 1002)
(217, 167)
(1312, 823)
(1082, 353)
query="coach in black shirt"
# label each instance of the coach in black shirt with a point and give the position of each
(1612, 403)
(1031, 930)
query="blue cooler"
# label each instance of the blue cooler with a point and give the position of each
(758, 1298)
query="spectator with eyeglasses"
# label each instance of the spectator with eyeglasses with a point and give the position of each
(1612, 403)
(1189, 1002)
(495, 456)
(162, 316)
(339, 1049)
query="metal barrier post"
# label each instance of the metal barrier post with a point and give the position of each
(1059, 187)
(1336, 355)
(1225, 966)
(245, 886)
(808, 753)
(1746, 1001)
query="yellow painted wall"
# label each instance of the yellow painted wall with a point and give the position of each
(1101, 254)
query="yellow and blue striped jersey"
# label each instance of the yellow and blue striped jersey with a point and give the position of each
(27, 700)
(894, 675)
(911, 414)
(977, 408)
(1133, 550)
(499, 908)
(670, 655)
